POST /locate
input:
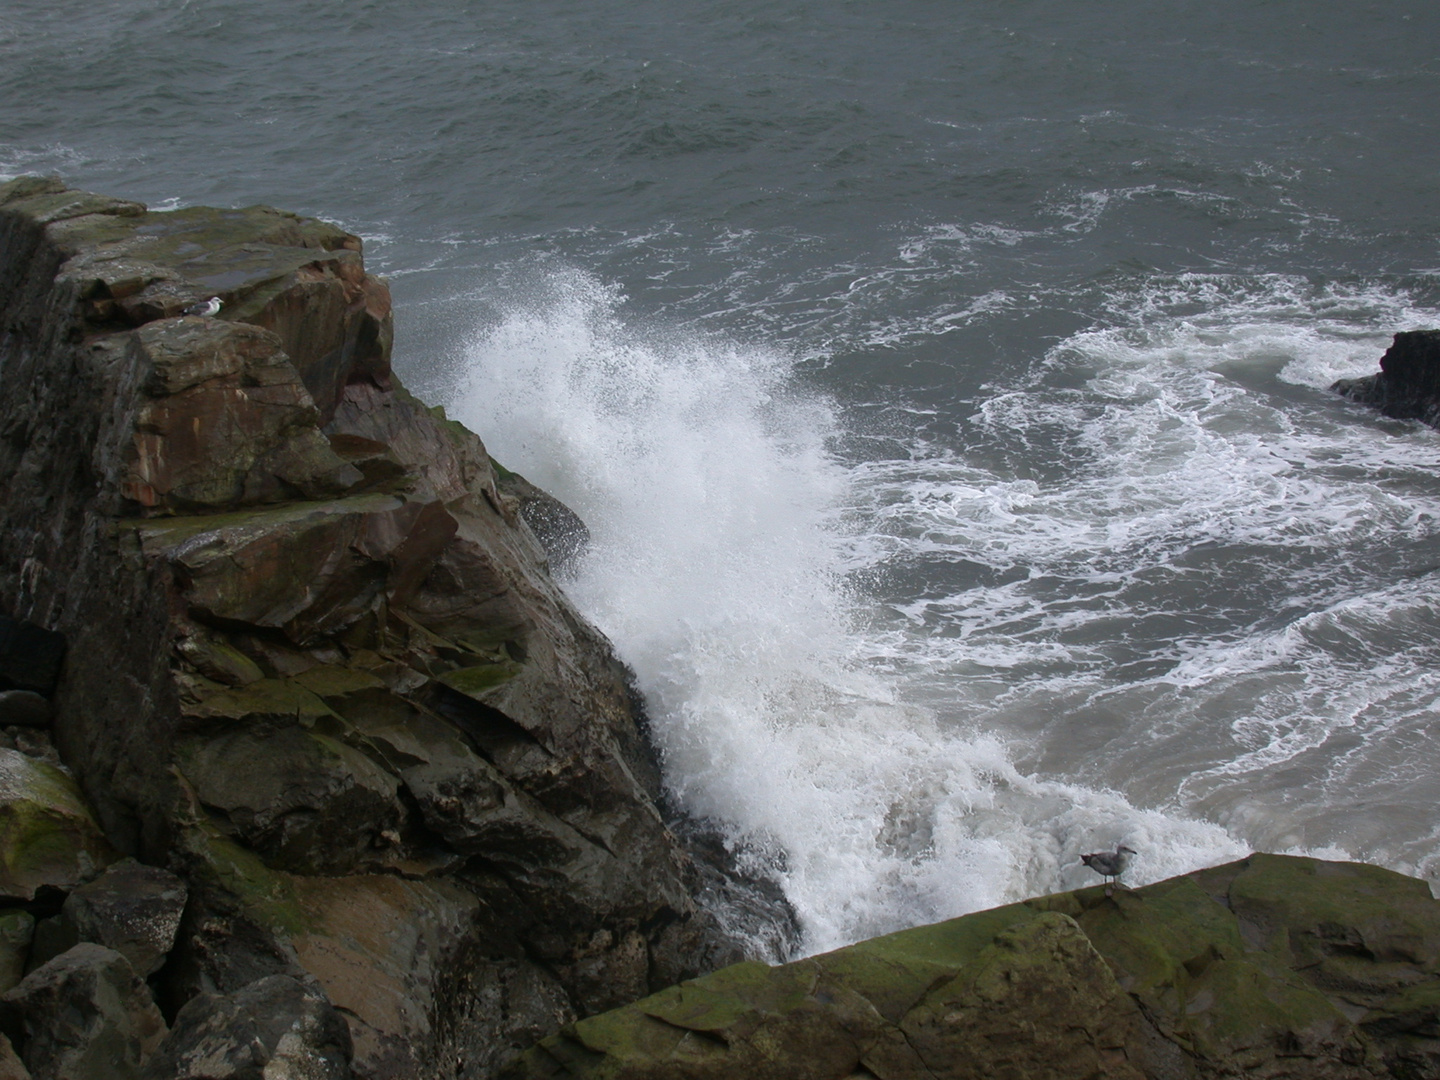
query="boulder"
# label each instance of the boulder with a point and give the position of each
(1272, 967)
(85, 1015)
(273, 1029)
(131, 908)
(1408, 384)
(48, 838)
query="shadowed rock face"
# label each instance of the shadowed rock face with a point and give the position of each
(1269, 967)
(1408, 384)
(317, 665)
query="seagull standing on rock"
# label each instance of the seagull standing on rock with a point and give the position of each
(205, 307)
(1109, 864)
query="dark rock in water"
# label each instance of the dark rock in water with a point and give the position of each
(131, 908)
(24, 707)
(85, 1015)
(1269, 967)
(275, 1027)
(30, 657)
(1408, 385)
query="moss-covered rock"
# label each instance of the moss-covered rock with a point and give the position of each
(48, 838)
(1218, 973)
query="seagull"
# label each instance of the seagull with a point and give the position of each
(205, 307)
(1109, 864)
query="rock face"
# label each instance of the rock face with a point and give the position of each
(1408, 385)
(316, 665)
(1269, 967)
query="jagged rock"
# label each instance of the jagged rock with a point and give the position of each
(1408, 384)
(273, 1029)
(86, 1015)
(48, 838)
(24, 707)
(30, 657)
(347, 693)
(225, 421)
(1269, 967)
(131, 908)
(17, 930)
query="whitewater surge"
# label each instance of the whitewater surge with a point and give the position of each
(718, 566)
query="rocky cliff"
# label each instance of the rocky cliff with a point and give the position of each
(309, 765)
(1269, 967)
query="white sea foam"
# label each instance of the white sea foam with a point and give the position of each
(716, 565)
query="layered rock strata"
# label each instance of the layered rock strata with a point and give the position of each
(1270, 967)
(317, 668)
(1407, 386)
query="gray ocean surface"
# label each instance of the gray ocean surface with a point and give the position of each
(945, 384)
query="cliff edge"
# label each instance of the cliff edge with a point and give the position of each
(1272, 967)
(318, 688)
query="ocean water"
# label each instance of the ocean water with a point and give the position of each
(944, 385)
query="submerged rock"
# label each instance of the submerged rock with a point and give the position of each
(1269, 967)
(1408, 384)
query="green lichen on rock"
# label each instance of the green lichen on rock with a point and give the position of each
(48, 837)
(1183, 978)
(475, 681)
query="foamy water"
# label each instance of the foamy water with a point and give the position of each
(1079, 550)
(900, 760)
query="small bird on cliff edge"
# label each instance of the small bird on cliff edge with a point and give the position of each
(205, 307)
(1109, 864)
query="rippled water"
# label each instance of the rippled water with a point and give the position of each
(945, 387)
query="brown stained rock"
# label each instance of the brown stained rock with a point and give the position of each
(309, 570)
(381, 948)
(131, 908)
(273, 1029)
(86, 1015)
(227, 422)
(48, 839)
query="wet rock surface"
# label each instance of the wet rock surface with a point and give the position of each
(1407, 386)
(296, 653)
(1273, 966)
